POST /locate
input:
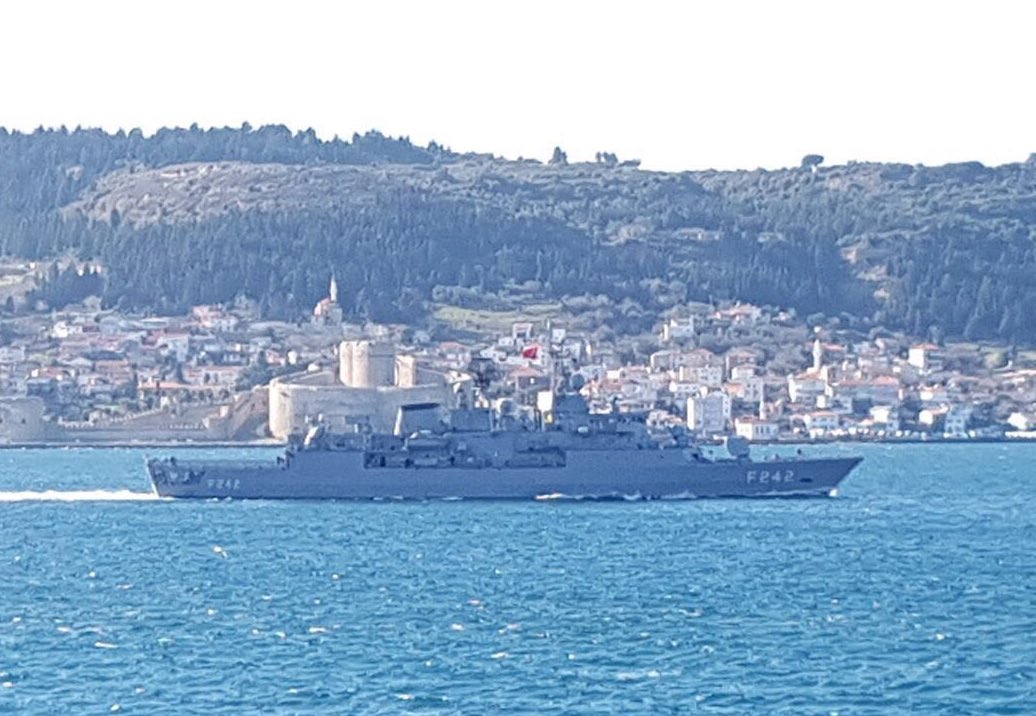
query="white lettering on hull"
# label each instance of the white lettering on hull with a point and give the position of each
(768, 477)
(220, 483)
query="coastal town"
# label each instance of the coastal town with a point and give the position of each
(87, 375)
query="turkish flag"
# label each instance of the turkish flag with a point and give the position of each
(530, 352)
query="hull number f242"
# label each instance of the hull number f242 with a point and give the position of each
(766, 477)
(220, 483)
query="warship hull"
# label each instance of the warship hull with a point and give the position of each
(587, 474)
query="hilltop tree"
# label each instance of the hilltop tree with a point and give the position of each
(812, 161)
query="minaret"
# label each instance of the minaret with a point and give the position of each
(818, 355)
(333, 291)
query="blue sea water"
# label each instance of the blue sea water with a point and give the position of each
(914, 592)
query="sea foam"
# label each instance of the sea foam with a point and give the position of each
(77, 496)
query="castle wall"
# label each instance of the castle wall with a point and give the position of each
(296, 401)
(407, 372)
(21, 420)
(345, 362)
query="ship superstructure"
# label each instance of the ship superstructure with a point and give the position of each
(476, 454)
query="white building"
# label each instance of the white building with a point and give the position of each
(743, 314)
(957, 419)
(749, 390)
(176, 343)
(821, 422)
(925, 357)
(806, 387)
(754, 429)
(65, 329)
(742, 372)
(935, 394)
(683, 391)
(522, 331)
(1022, 421)
(885, 417)
(883, 390)
(930, 416)
(709, 413)
(707, 375)
(742, 356)
(679, 329)
(663, 360)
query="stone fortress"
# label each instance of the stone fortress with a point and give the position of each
(371, 384)
(365, 386)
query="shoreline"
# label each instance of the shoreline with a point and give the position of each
(227, 444)
(52, 445)
(900, 441)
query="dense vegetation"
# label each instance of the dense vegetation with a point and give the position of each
(270, 214)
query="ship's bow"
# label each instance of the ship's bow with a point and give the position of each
(835, 473)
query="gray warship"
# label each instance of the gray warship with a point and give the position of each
(473, 454)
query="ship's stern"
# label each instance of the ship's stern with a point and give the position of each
(151, 464)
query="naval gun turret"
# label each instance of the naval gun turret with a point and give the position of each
(738, 447)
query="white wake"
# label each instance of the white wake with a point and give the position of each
(76, 496)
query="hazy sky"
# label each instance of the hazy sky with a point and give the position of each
(716, 83)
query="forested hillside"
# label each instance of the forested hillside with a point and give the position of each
(191, 216)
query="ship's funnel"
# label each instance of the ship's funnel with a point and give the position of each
(471, 420)
(417, 417)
